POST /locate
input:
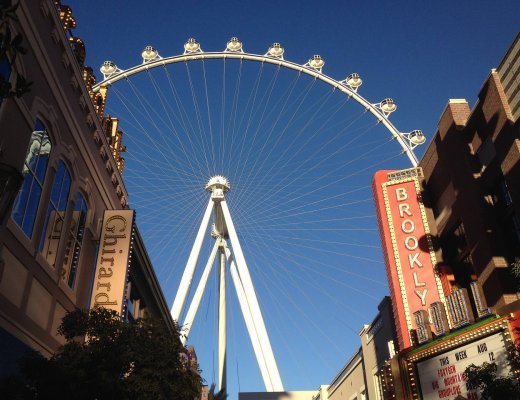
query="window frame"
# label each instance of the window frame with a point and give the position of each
(75, 241)
(58, 179)
(33, 173)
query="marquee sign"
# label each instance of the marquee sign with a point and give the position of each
(410, 257)
(115, 247)
(443, 377)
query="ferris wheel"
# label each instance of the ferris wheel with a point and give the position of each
(267, 163)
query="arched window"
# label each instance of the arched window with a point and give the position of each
(34, 170)
(53, 225)
(75, 241)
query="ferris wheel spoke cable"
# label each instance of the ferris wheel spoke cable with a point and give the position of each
(222, 117)
(265, 100)
(182, 196)
(268, 283)
(184, 118)
(145, 105)
(234, 110)
(298, 223)
(200, 123)
(339, 253)
(296, 174)
(338, 196)
(303, 267)
(210, 124)
(283, 183)
(268, 175)
(167, 112)
(249, 104)
(317, 105)
(335, 182)
(283, 99)
(257, 232)
(153, 144)
(147, 145)
(281, 110)
(163, 244)
(300, 99)
(283, 337)
(269, 244)
(271, 281)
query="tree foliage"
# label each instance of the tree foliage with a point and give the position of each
(118, 360)
(484, 378)
(10, 48)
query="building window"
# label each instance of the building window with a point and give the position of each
(34, 170)
(75, 241)
(454, 243)
(486, 153)
(506, 194)
(53, 226)
(5, 71)
(378, 385)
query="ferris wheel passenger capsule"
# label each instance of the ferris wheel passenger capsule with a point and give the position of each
(388, 106)
(149, 54)
(276, 50)
(353, 81)
(416, 137)
(191, 46)
(316, 62)
(108, 68)
(234, 45)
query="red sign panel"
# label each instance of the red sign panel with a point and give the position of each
(410, 259)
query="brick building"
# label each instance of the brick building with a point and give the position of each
(472, 179)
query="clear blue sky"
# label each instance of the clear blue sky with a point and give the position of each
(419, 53)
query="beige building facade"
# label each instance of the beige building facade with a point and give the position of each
(54, 138)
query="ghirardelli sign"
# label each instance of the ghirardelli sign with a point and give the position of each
(113, 259)
(410, 257)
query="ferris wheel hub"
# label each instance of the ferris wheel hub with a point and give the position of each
(218, 182)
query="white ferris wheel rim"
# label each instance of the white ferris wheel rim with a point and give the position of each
(405, 139)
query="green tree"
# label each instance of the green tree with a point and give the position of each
(119, 360)
(10, 48)
(484, 378)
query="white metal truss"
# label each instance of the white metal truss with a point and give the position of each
(224, 234)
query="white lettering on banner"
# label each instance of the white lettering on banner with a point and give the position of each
(414, 260)
(401, 194)
(416, 280)
(404, 208)
(408, 226)
(414, 242)
(422, 295)
(411, 242)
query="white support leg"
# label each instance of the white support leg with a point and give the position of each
(222, 350)
(187, 276)
(254, 307)
(246, 312)
(197, 297)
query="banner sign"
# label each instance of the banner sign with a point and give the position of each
(410, 257)
(115, 247)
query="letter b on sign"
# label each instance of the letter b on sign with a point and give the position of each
(401, 194)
